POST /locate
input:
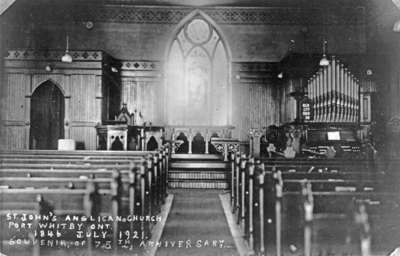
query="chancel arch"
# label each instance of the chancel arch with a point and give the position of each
(197, 74)
(46, 116)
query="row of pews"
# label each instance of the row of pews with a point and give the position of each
(313, 206)
(116, 197)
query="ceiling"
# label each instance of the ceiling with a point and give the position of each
(241, 3)
(381, 12)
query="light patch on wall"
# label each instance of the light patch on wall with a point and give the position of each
(396, 26)
(5, 4)
(197, 76)
(397, 3)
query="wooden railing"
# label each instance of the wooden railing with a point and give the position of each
(179, 135)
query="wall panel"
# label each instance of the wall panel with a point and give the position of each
(287, 102)
(13, 110)
(15, 137)
(15, 99)
(80, 82)
(84, 134)
(142, 89)
(83, 98)
(254, 107)
(254, 97)
(144, 97)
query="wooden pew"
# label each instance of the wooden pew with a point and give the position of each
(70, 159)
(75, 178)
(55, 161)
(320, 164)
(153, 176)
(247, 202)
(332, 213)
(58, 202)
(302, 169)
(72, 153)
(136, 204)
(52, 182)
(143, 186)
(306, 170)
(332, 210)
(93, 160)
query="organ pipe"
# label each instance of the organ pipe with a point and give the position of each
(334, 93)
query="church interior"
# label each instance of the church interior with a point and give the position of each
(199, 127)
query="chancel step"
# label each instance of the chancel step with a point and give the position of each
(198, 184)
(189, 157)
(195, 175)
(199, 165)
(198, 171)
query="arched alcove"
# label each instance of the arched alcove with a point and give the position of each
(47, 116)
(152, 144)
(184, 147)
(197, 74)
(198, 144)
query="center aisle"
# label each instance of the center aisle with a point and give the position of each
(196, 225)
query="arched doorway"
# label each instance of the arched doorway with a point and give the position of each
(47, 116)
(197, 75)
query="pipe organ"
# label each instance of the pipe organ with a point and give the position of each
(335, 94)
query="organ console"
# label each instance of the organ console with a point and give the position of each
(334, 94)
(321, 137)
(330, 111)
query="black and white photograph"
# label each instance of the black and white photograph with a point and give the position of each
(200, 127)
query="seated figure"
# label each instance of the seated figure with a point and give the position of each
(289, 152)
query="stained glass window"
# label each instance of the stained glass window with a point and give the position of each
(197, 76)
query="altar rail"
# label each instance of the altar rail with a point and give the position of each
(197, 139)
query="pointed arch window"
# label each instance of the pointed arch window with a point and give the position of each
(197, 76)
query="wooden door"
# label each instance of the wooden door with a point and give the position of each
(47, 116)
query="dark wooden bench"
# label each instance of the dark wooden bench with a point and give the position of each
(141, 179)
(337, 197)
(58, 202)
(333, 214)
(72, 153)
(41, 163)
(307, 170)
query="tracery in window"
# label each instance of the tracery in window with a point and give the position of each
(197, 76)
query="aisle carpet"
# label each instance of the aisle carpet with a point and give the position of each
(196, 225)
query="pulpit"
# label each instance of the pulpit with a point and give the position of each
(127, 132)
(112, 137)
(129, 137)
(145, 137)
